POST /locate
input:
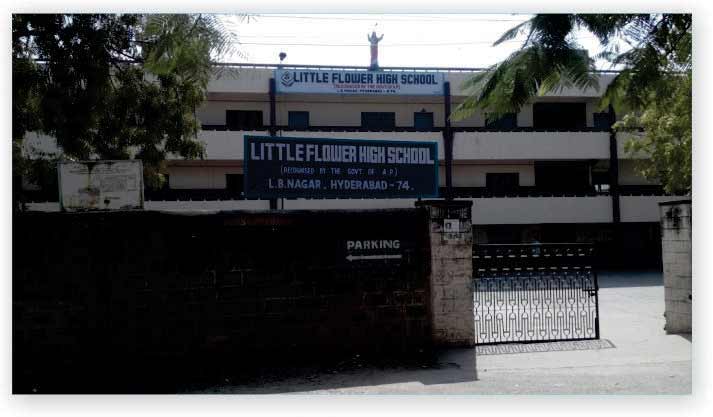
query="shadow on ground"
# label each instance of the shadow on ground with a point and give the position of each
(444, 367)
(242, 373)
(687, 336)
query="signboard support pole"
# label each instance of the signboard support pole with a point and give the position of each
(273, 128)
(448, 139)
(613, 168)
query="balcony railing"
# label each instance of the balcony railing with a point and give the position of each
(223, 128)
(458, 192)
(485, 211)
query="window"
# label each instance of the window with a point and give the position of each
(562, 176)
(243, 119)
(600, 180)
(234, 184)
(423, 120)
(502, 182)
(378, 120)
(506, 121)
(298, 119)
(559, 115)
(601, 120)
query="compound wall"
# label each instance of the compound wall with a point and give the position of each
(125, 301)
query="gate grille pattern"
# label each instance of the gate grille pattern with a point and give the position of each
(534, 293)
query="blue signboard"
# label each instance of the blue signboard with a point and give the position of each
(358, 82)
(283, 167)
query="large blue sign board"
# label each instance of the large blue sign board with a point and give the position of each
(284, 167)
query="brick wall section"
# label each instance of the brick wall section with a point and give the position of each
(138, 294)
(451, 277)
(677, 269)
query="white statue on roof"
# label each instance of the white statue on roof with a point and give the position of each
(374, 42)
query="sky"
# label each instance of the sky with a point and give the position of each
(427, 40)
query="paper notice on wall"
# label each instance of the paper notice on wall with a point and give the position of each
(101, 185)
(452, 233)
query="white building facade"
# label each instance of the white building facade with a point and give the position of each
(552, 172)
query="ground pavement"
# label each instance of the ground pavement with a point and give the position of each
(636, 356)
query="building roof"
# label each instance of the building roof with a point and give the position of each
(363, 68)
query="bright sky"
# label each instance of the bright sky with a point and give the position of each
(428, 40)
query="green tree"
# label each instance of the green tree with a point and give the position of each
(667, 135)
(113, 86)
(650, 89)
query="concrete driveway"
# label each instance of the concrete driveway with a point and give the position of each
(640, 359)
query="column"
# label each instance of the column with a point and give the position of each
(450, 279)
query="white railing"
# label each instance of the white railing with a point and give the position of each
(498, 210)
(524, 145)
(534, 210)
(467, 146)
(178, 205)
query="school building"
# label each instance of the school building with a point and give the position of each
(554, 172)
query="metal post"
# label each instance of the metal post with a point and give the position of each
(596, 302)
(613, 169)
(448, 139)
(272, 128)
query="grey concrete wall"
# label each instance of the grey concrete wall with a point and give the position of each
(677, 270)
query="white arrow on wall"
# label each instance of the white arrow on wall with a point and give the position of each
(369, 257)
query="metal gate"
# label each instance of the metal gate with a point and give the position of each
(535, 293)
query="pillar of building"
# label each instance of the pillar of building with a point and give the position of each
(451, 275)
(677, 269)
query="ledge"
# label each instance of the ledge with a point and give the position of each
(674, 202)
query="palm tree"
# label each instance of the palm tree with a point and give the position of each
(186, 44)
(653, 68)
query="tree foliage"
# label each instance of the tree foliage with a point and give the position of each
(667, 136)
(655, 68)
(114, 86)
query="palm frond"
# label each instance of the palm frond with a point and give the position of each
(186, 45)
(526, 73)
(514, 32)
(607, 26)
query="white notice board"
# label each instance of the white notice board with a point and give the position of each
(101, 185)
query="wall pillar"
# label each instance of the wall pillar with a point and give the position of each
(677, 269)
(451, 275)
